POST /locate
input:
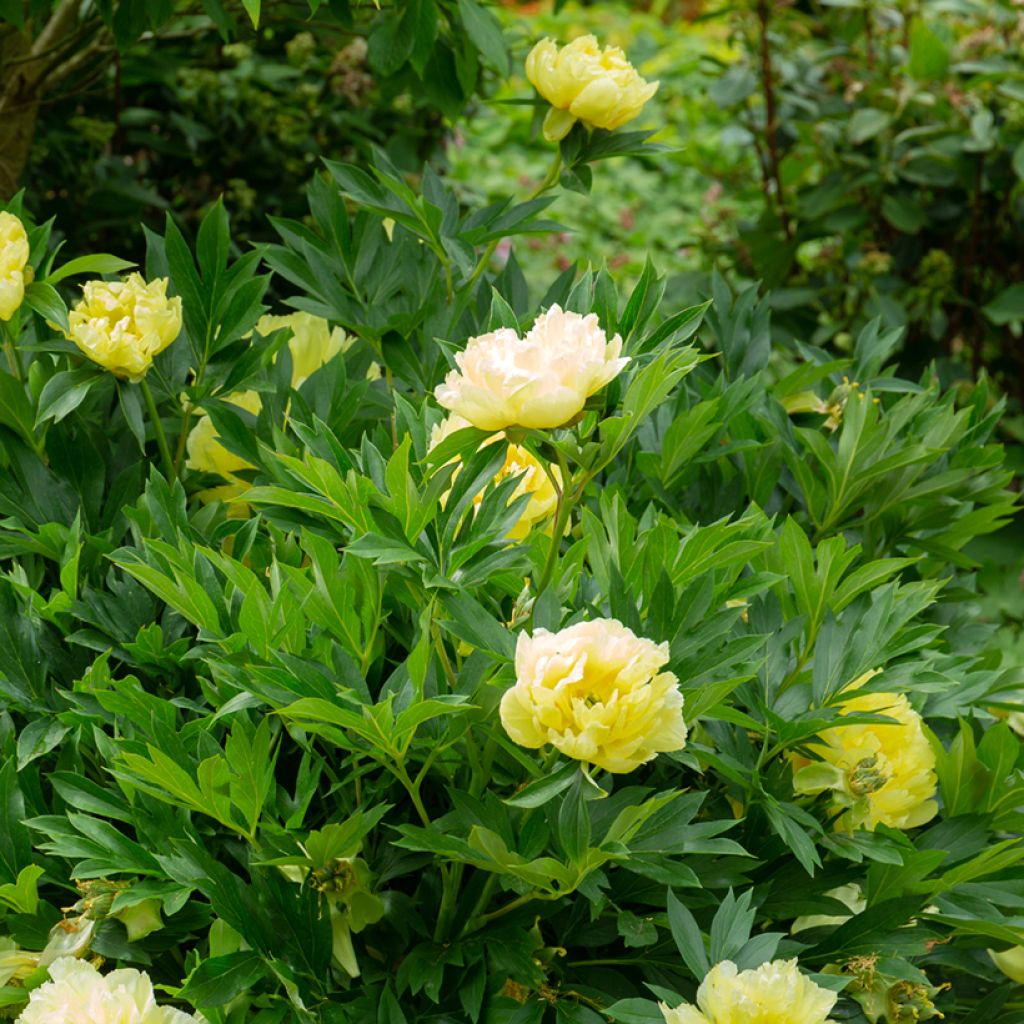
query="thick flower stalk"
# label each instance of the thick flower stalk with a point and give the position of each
(124, 325)
(78, 994)
(584, 82)
(14, 270)
(519, 462)
(879, 773)
(595, 691)
(774, 993)
(540, 381)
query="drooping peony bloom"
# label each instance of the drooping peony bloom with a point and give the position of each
(206, 454)
(881, 773)
(312, 343)
(540, 381)
(78, 994)
(123, 325)
(584, 82)
(596, 692)
(774, 993)
(519, 462)
(14, 253)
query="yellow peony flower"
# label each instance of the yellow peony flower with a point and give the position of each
(518, 463)
(774, 993)
(596, 693)
(881, 774)
(207, 455)
(312, 343)
(542, 380)
(78, 994)
(123, 325)
(14, 254)
(584, 82)
(1010, 962)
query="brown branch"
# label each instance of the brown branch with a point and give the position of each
(869, 34)
(771, 116)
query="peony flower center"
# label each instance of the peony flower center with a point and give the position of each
(868, 775)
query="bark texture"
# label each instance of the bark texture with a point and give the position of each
(28, 67)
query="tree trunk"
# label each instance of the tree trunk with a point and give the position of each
(24, 67)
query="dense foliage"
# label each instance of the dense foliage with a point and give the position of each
(392, 635)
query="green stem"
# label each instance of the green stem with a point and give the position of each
(549, 180)
(413, 790)
(11, 350)
(563, 511)
(482, 900)
(519, 901)
(447, 910)
(158, 429)
(179, 452)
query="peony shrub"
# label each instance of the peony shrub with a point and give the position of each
(384, 642)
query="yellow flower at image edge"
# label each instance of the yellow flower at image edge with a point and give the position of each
(584, 82)
(774, 993)
(123, 325)
(519, 462)
(882, 773)
(14, 253)
(78, 994)
(595, 691)
(539, 381)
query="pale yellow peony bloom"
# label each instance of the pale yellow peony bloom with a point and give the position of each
(78, 994)
(595, 691)
(584, 82)
(883, 774)
(312, 343)
(519, 462)
(540, 381)
(123, 325)
(207, 455)
(774, 993)
(14, 254)
(1010, 962)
